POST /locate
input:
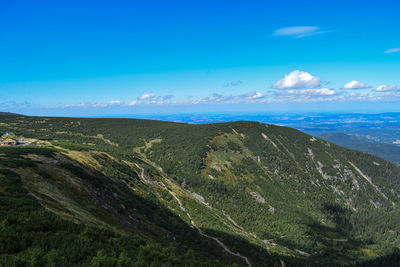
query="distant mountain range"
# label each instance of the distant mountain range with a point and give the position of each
(129, 192)
(386, 151)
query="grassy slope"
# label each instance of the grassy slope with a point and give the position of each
(255, 187)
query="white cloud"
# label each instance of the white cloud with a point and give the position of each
(146, 96)
(299, 31)
(355, 85)
(255, 95)
(297, 80)
(392, 50)
(132, 103)
(311, 92)
(386, 88)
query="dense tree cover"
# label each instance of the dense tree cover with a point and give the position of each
(392, 259)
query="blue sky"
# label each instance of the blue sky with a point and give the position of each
(126, 57)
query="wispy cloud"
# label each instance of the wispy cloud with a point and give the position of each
(145, 99)
(252, 97)
(392, 50)
(390, 95)
(12, 105)
(298, 79)
(312, 92)
(96, 105)
(168, 97)
(326, 96)
(299, 31)
(234, 83)
(355, 85)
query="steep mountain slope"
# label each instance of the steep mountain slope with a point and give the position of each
(385, 151)
(241, 193)
(137, 225)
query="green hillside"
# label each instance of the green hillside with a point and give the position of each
(124, 192)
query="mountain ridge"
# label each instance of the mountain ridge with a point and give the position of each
(256, 188)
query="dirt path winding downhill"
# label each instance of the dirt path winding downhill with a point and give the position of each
(211, 237)
(237, 254)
